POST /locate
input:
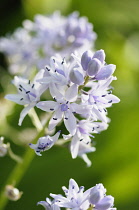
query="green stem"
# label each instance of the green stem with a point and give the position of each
(19, 170)
(85, 82)
(35, 119)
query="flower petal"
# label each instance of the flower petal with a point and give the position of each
(47, 105)
(105, 72)
(54, 91)
(17, 98)
(74, 147)
(70, 122)
(24, 113)
(56, 118)
(71, 93)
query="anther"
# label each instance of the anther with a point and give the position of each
(110, 101)
(21, 99)
(33, 86)
(52, 109)
(47, 68)
(54, 118)
(20, 89)
(29, 82)
(27, 92)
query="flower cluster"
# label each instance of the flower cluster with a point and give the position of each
(45, 37)
(81, 94)
(76, 199)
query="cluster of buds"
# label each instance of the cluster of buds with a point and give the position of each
(94, 198)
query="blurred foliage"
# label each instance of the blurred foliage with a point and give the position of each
(116, 161)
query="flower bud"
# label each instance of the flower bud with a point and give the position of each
(12, 193)
(3, 147)
(96, 195)
(105, 72)
(76, 77)
(3, 150)
(105, 203)
(85, 59)
(100, 55)
(93, 67)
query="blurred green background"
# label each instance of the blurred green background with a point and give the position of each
(116, 161)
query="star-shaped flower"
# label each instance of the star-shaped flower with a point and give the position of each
(28, 93)
(44, 143)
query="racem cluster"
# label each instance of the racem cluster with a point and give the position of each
(81, 94)
(44, 37)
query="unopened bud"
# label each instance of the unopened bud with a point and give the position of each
(76, 77)
(100, 55)
(85, 59)
(105, 203)
(3, 147)
(105, 72)
(93, 67)
(96, 195)
(12, 193)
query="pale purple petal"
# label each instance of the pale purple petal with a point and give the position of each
(93, 67)
(17, 98)
(76, 77)
(85, 59)
(105, 203)
(100, 55)
(24, 113)
(47, 105)
(105, 72)
(71, 93)
(56, 136)
(55, 119)
(70, 122)
(112, 98)
(73, 186)
(74, 147)
(54, 91)
(96, 195)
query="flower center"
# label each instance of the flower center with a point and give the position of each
(64, 107)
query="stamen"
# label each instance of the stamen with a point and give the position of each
(66, 118)
(54, 118)
(54, 60)
(20, 89)
(110, 101)
(33, 85)
(27, 92)
(63, 61)
(52, 109)
(81, 139)
(29, 82)
(47, 68)
(21, 99)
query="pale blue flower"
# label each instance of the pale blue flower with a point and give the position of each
(76, 198)
(99, 200)
(44, 143)
(63, 108)
(28, 93)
